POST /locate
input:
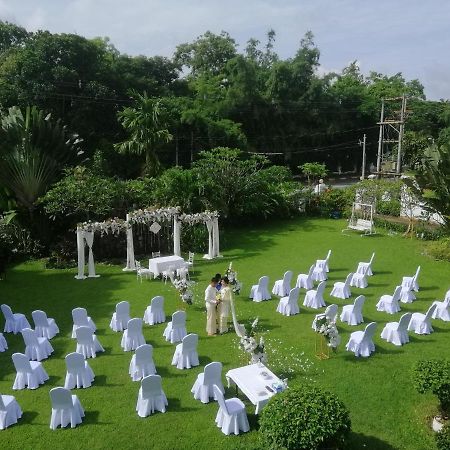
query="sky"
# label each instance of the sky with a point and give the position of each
(408, 36)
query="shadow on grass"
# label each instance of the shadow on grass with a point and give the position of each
(28, 416)
(174, 403)
(91, 418)
(101, 380)
(358, 441)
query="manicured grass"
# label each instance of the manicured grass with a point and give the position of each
(386, 411)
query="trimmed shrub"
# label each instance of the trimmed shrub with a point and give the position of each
(439, 250)
(443, 438)
(305, 417)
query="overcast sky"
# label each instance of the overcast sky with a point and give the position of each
(389, 36)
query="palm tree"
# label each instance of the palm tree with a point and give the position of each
(146, 124)
(33, 151)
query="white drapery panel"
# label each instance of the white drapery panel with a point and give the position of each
(210, 254)
(131, 262)
(176, 236)
(80, 249)
(89, 236)
(216, 248)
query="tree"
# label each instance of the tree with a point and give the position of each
(146, 125)
(313, 171)
(33, 152)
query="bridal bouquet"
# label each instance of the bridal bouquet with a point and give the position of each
(232, 277)
(184, 288)
(328, 329)
(250, 344)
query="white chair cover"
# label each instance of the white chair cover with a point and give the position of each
(132, 337)
(324, 262)
(406, 294)
(66, 408)
(352, 314)
(319, 273)
(283, 287)
(305, 280)
(185, 355)
(341, 289)
(141, 364)
(366, 267)
(421, 323)
(361, 343)
(14, 322)
(155, 312)
(3, 343)
(151, 396)
(442, 310)
(36, 348)
(231, 416)
(120, 317)
(389, 303)
(176, 329)
(87, 343)
(260, 291)
(330, 313)
(10, 411)
(29, 373)
(288, 306)
(359, 280)
(412, 282)
(314, 298)
(397, 332)
(203, 388)
(44, 326)
(81, 319)
(79, 374)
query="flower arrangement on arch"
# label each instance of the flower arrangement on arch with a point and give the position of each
(328, 329)
(250, 344)
(184, 288)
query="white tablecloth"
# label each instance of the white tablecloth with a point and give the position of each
(158, 265)
(250, 381)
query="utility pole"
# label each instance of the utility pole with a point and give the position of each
(363, 144)
(176, 150)
(380, 139)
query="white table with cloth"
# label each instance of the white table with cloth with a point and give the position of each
(254, 380)
(158, 265)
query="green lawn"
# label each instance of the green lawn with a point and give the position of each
(386, 411)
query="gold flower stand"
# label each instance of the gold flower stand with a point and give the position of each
(321, 347)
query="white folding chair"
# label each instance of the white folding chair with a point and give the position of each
(305, 280)
(3, 343)
(330, 313)
(120, 317)
(203, 388)
(176, 329)
(442, 310)
(36, 348)
(132, 337)
(231, 416)
(260, 292)
(87, 343)
(288, 306)
(324, 262)
(421, 323)
(10, 411)
(43, 325)
(397, 332)
(81, 319)
(185, 355)
(389, 303)
(151, 396)
(359, 279)
(352, 314)
(141, 364)
(183, 273)
(412, 282)
(142, 272)
(66, 408)
(283, 287)
(366, 267)
(361, 342)
(341, 289)
(190, 260)
(79, 373)
(156, 255)
(29, 374)
(154, 313)
(314, 297)
(14, 322)
(168, 274)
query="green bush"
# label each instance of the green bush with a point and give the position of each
(433, 375)
(439, 250)
(333, 201)
(443, 438)
(304, 417)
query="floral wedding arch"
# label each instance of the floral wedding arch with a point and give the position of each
(152, 218)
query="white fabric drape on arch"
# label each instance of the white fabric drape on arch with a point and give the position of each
(216, 249)
(210, 254)
(81, 255)
(89, 236)
(176, 236)
(131, 262)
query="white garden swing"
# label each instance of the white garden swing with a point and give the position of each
(361, 219)
(151, 217)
